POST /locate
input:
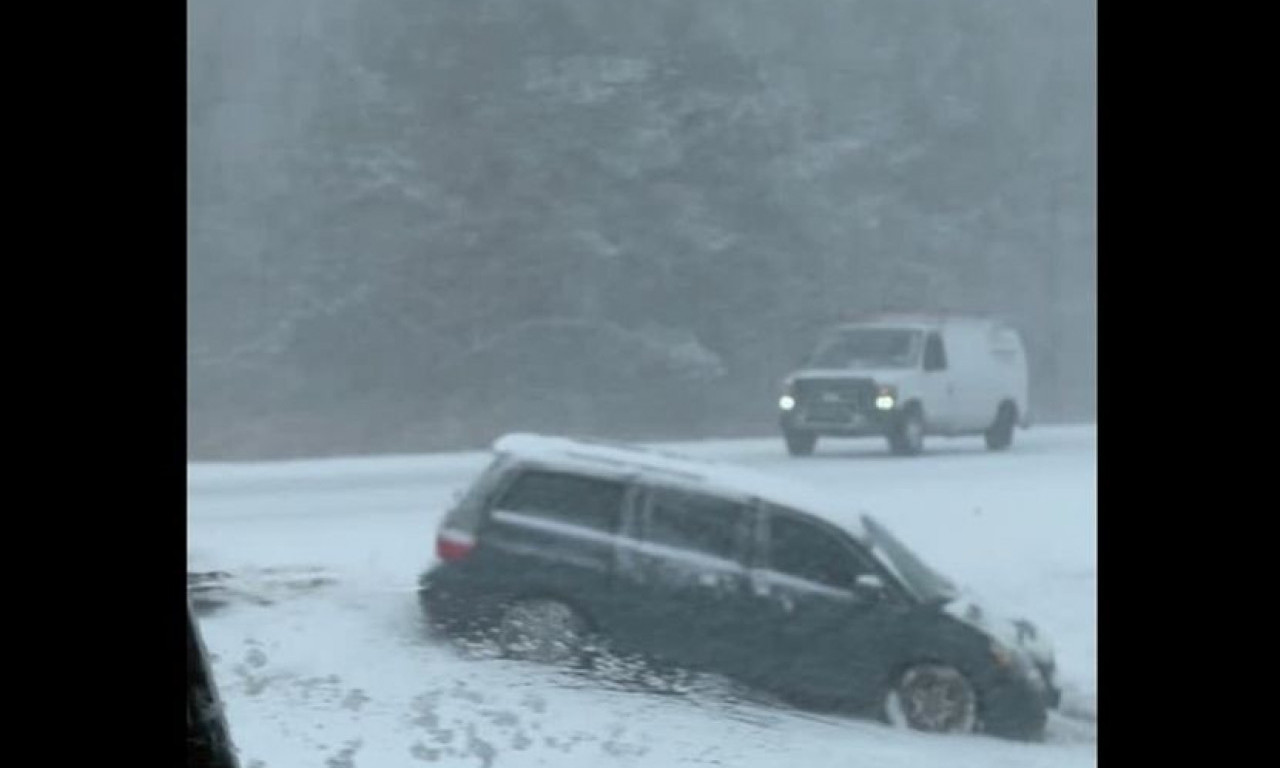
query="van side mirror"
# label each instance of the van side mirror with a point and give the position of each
(935, 358)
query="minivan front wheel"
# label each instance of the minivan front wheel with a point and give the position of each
(542, 630)
(936, 698)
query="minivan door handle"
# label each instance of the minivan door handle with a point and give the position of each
(716, 582)
(763, 589)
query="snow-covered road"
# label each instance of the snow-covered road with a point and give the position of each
(338, 675)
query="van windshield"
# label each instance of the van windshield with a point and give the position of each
(867, 348)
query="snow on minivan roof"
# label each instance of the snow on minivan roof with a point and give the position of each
(623, 460)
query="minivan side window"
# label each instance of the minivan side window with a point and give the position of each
(935, 357)
(806, 551)
(586, 502)
(697, 523)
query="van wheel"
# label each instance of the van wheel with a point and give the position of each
(544, 631)
(906, 438)
(936, 698)
(800, 443)
(999, 435)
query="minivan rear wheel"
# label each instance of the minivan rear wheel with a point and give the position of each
(542, 630)
(935, 698)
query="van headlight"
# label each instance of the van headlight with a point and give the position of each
(886, 398)
(788, 400)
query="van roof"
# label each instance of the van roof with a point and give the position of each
(622, 460)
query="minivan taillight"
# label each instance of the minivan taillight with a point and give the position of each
(452, 546)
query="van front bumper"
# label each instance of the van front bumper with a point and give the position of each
(837, 420)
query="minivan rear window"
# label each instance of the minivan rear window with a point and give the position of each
(467, 512)
(586, 502)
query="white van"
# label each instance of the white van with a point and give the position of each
(907, 376)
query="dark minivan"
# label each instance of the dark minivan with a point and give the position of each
(715, 568)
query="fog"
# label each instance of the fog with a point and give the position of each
(417, 224)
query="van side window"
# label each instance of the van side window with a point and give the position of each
(586, 502)
(1004, 345)
(694, 522)
(806, 551)
(935, 357)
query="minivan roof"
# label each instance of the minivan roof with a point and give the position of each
(620, 460)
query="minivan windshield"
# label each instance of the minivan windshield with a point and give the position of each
(926, 583)
(867, 348)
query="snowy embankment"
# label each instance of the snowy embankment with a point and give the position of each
(322, 662)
